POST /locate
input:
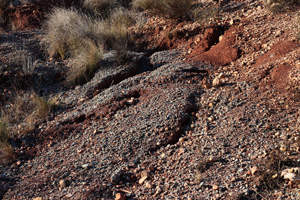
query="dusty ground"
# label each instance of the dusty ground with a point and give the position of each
(156, 128)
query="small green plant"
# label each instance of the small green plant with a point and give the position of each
(178, 9)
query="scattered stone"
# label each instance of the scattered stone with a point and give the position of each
(37, 198)
(274, 176)
(158, 190)
(62, 183)
(120, 196)
(85, 166)
(181, 139)
(221, 75)
(116, 176)
(141, 181)
(216, 82)
(215, 187)
(214, 159)
(148, 185)
(253, 170)
(19, 163)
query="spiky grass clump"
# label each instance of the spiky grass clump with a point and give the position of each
(6, 150)
(3, 131)
(71, 34)
(85, 64)
(66, 31)
(177, 9)
(100, 7)
(3, 3)
(26, 110)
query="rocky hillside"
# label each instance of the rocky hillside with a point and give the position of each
(196, 109)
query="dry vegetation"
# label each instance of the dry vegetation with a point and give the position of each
(6, 150)
(173, 8)
(277, 6)
(75, 35)
(20, 117)
(3, 3)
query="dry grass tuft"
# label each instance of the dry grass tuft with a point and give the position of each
(3, 3)
(66, 30)
(277, 6)
(71, 34)
(122, 17)
(3, 131)
(100, 7)
(85, 64)
(268, 178)
(26, 110)
(204, 13)
(177, 9)
(6, 150)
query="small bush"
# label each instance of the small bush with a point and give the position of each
(178, 9)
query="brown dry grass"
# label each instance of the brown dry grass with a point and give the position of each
(173, 8)
(277, 6)
(26, 110)
(3, 3)
(74, 35)
(6, 150)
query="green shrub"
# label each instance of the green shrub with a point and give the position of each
(178, 9)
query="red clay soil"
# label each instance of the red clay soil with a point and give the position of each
(30, 16)
(222, 53)
(278, 78)
(211, 36)
(24, 17)
(277, 51)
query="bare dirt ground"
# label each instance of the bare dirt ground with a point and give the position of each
(199, 113)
